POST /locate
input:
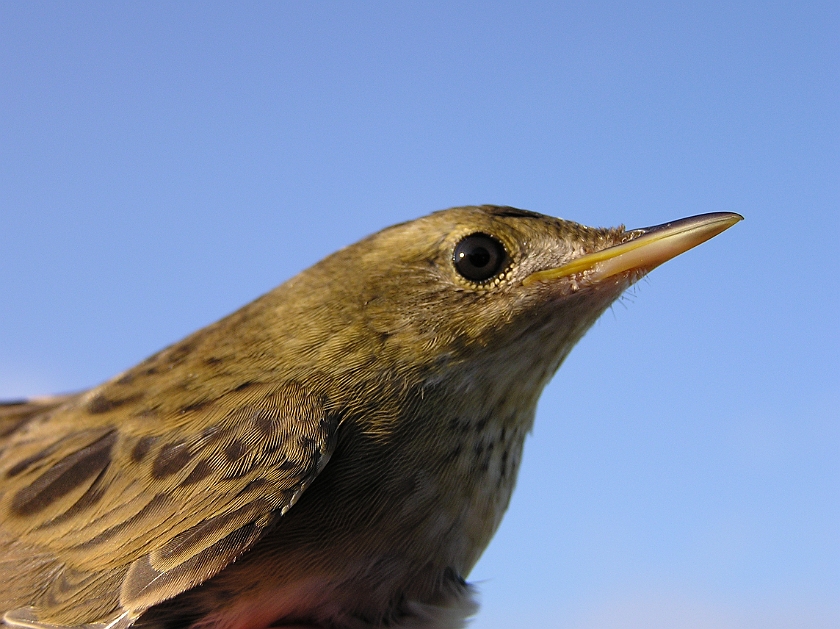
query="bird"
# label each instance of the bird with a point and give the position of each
(336, 454)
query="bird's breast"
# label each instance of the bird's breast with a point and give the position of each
(389, 525)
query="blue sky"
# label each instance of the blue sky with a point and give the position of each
(163, 165)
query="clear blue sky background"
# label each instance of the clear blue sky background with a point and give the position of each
(162, 165)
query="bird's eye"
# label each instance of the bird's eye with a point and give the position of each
(478, 257)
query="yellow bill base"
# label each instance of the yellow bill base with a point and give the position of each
(654, 246)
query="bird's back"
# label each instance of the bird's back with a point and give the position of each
(16, 413)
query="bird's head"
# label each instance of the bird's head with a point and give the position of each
(481, 298)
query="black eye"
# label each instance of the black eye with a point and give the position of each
(479, 257)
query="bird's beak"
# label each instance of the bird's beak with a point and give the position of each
(648, 248)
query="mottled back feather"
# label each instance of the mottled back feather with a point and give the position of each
(112, 503)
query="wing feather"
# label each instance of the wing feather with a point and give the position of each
(110, 504)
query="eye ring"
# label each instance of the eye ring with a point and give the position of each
(479, 257)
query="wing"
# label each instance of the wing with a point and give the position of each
(118, 499)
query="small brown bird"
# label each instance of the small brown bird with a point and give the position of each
(336, 454)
